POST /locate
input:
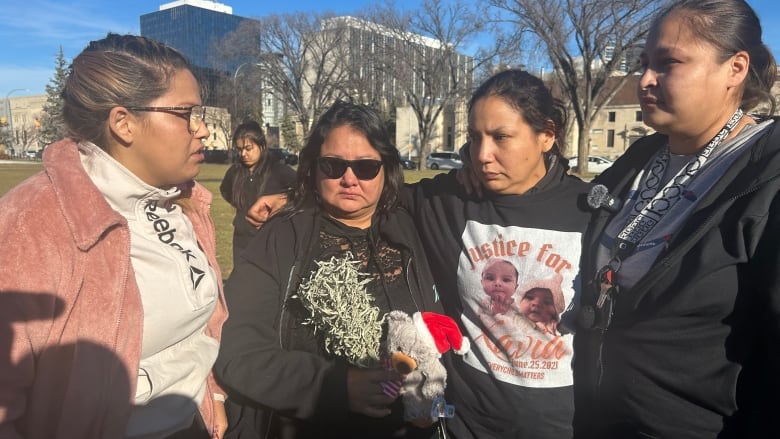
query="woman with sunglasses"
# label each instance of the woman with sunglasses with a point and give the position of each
(277, 362)
(111, 302)
(256, 174)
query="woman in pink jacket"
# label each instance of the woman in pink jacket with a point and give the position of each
(111, 302)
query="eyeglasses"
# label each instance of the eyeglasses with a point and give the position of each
(364, 169)
(195, 114)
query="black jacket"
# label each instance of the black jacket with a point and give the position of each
(693, 350)
(269, 362)
(520, 389)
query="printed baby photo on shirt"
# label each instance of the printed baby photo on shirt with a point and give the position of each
(515, 283)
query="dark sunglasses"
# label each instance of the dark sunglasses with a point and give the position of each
(364, 169)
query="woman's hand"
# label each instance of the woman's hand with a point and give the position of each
(468, 179)
(220, 420)
(365, 393)
(264, 208)
(466, 175)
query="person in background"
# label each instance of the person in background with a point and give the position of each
(111, 302)
(516, 381)
(300, 353)
(679, 329)
(257, 173)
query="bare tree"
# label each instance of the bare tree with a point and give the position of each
(308, 75)
(240, 88)
(587, 42)
(290, 56)
(425, 57)
(5, 139)
(27, 136)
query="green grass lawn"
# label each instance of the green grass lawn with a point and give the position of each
(210, 176)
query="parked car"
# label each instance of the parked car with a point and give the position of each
(283, 154)
(596, 164)
(443, 160)
(408, 164)
(30, 154)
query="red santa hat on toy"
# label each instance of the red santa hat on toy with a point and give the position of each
(444, 332)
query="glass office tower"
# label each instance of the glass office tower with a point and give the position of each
(191, 26)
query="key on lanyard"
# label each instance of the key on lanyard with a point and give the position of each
(606, 287)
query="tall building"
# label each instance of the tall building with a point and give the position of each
(369, 45)
(191, 26)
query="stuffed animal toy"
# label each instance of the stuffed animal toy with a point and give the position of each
(414, 346)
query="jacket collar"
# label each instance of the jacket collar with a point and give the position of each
(749, 172)
(86, 212)
(83, 206)
(123, 190)
(763, 160)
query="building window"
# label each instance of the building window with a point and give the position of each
(638, 116)
(610, 138)
(611, 116)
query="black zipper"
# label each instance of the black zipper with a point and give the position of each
(283, 315)
(407, 274)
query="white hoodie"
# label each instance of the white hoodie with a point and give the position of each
(178, 291)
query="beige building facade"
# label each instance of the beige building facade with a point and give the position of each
(449, 132)
(616, 126)
(22, 124)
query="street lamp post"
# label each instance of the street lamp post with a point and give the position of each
(235, 89)
(10, 124)
(409, 127)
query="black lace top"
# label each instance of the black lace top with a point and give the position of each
(379, 259)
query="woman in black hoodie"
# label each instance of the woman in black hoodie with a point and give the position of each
(678, 334)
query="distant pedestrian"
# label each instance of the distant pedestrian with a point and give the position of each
(257, 173)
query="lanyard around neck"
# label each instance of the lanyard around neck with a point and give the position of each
(651, 212)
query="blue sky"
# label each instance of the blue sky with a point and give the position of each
(32, 31)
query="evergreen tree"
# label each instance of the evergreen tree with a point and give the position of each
(52, 125)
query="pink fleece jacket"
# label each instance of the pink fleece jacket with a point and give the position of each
(70, 310)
